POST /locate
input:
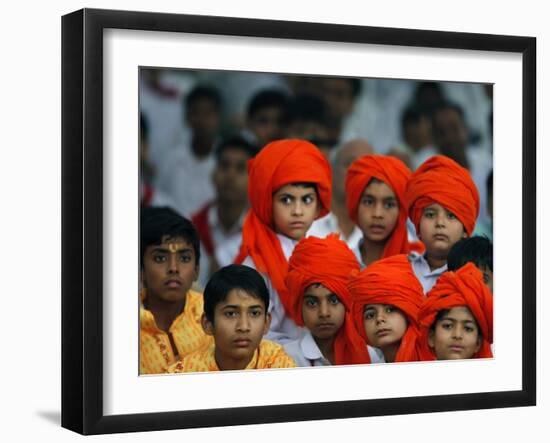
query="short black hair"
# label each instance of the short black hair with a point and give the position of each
(157, 223)
(300, 185)
(236, 142)
(308, 107)
(269, 98)
(224, 280)
(203, 92)
(476, 249)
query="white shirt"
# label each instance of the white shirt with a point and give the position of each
(305, 352)
(282, 329)
(376, 355)
(186, 179)
(329, 224)
(226, 243)
(423, 273)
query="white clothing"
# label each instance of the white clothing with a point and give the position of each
(424, 274)
(376, 355)
(282, 329)
(305, 351)
(186, 179)
(328, 224)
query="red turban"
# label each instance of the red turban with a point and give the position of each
(279, 163)
(393, 173)
(330, 262)
(390, 281)
(441, 180)
(463, 287)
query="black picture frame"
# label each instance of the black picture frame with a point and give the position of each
(82, 220)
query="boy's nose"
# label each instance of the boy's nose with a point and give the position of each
(378, 211)
(297, 209)
(243, 324)
(173, 264)
(324, 310)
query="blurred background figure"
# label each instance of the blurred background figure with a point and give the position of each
(219, 222)
(185, 171)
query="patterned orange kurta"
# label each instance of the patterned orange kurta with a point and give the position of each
(268, 355)
(155, 350)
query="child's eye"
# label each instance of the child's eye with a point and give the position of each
(390, 204)
(185, 258)
(369, 315)
(230, 314)
(310, 302)
(429, 214)
(447, 326)
(367, 201)
(256, 313)
(333, 300)
(159, 258)
(285, 200)
(469, 328)
(451, 216)
(308, 199)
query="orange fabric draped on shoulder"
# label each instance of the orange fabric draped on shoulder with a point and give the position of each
(441, 180)
(464, 287)
(279, 163)
(390, 281)
(394, 173)
(330, 262)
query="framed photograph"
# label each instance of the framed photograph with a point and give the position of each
(108, 61)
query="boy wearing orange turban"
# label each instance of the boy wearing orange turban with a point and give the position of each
(386, 299)
(318, 273)
(443, 204)
(456, 319)
(375, 189)
(289, 187)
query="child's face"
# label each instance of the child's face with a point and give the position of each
(456, 335)
(240, 322)
(439, 230)
(294, 210)
(231, 176)
(377, 212)
(169, 269)
(384, 325)
(322, 312)
(203, 116)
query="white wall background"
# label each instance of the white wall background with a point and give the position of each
(30, 171)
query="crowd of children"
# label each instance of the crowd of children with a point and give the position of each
(384, 269)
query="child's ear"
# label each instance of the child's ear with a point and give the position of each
(267, 323)
(431, 339)
(207, 325)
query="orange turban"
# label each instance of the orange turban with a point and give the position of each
(463, 287)
(393, 173)
(441, 180)
(390, 281)
(330, 262)
(278, 164)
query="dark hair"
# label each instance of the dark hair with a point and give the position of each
(203, 92)
(236, 142)
(425, 90)
(224, 280)
(156, 223)
(143, 127)
(413, 114)
(307, 107)
(301, 185)
(269, 98)
(476, 249)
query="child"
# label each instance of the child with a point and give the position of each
(375, 188)
(236, 303)
(476, 249)
(386, 299)
(318, 271)
(443, 204)
(219, 222)
(170, 311)
(289, 186)
(456, 319)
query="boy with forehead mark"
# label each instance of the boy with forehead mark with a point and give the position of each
(443, 204)
(289, 187)
(236, 303)
(170, 311)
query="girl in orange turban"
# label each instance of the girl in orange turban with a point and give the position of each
(386, 299)
(289, 187)
(318, 273)
(456, 319)
(375, 198)
(443, 203)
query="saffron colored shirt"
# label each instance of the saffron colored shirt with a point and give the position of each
(268, 355)
(155, 349)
